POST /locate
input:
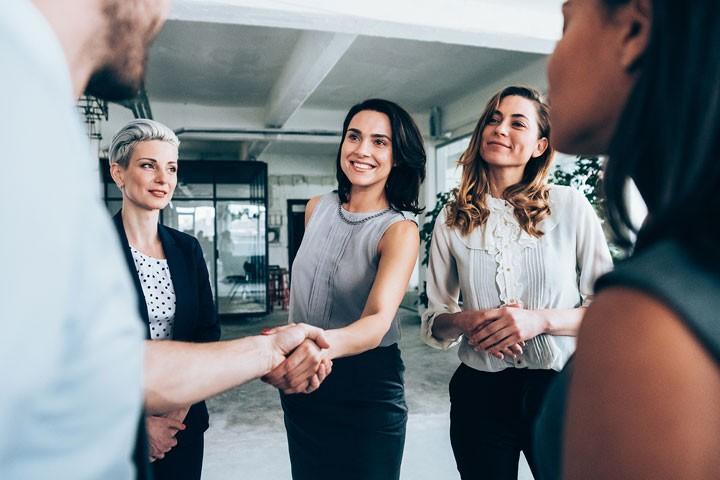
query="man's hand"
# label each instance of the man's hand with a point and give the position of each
(307, 367)
(161, 435)
(303, 371)
(285, 339)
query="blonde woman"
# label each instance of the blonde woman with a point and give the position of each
(523, 256)
(170, 277)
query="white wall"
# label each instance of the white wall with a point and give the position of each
(292, 177)
(460, 116)
(290, 187)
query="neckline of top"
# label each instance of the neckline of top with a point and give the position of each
(135, 250)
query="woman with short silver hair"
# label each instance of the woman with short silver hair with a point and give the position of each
(170, 276)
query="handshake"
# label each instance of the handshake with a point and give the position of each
(294, 358)
(300, 360)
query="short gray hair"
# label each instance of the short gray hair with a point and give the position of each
(136, 131)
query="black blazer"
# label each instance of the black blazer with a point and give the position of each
(195, 316)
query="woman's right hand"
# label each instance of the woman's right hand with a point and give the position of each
(471, 321)
(161, 433)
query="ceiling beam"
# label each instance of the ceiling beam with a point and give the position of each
(255, 149)
(314, 56)
(518, 25)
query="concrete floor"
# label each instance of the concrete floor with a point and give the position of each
(246, 439)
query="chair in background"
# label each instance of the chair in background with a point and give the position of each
(278, 287)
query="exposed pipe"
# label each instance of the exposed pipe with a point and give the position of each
(277, 134)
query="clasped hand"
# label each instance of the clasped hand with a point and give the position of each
(502, 331)
(161, 431)
(304, 368)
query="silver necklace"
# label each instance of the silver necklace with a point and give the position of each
(362, 220)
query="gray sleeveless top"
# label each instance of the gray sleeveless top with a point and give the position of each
(667, 272)
(335, 266)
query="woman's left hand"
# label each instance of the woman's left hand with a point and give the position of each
(509, 326)
(178, 414)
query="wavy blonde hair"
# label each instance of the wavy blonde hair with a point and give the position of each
(467, 209)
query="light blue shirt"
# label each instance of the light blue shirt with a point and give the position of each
(70, 335)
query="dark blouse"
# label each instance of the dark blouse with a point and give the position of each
(668, 272)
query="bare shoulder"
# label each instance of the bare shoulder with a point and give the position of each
(403, 228)
(400, 239)
(402, 234)
(310, 207)
(644, 393)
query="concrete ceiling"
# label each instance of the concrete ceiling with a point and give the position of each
(416, 74)
(278, 63)
(237, 65)
(217, 64)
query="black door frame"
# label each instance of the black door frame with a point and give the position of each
(290, 204)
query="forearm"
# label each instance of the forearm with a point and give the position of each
(178, 374)
(562, 321)
(358, 337)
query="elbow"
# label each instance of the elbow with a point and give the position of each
(375, 339)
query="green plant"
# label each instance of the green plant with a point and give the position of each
(585, 175)
(441, 199)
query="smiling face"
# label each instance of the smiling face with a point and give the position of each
(366, 155)
(511, 136)
(150, 178)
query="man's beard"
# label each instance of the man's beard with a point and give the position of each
(108, 84)
(128, 37)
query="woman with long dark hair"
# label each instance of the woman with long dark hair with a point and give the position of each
(523, 256)
(639, 80)
(349, 277)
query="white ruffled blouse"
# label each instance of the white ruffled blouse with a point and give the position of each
(499, 263)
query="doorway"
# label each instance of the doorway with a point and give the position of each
(296, 228)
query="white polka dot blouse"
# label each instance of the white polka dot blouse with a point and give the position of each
(159, 293)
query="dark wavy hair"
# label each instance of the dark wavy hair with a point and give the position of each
(668, 136)
(403, 185)
(530, 197)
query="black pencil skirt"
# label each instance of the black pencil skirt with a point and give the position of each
(353, 426)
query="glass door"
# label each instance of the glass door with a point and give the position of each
(196, 218)
(223, 205)
(241, 262)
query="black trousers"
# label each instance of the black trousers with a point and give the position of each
(353, 426)
(184, 461)
(492, 417)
